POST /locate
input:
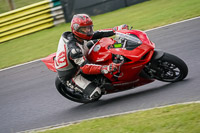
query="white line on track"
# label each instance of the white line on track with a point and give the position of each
(144, 31)
(173, 24)
(106, 116)
(20, 65)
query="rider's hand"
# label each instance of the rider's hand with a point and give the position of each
(121, 27)
(108, 68)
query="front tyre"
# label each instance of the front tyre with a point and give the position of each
(71, 94)
(169, 68)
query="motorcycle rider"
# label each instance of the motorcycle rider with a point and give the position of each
(71, 63)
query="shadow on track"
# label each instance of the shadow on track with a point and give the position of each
(131, 96)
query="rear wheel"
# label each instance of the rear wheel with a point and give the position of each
(169, 68)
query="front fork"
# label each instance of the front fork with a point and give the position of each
(152, 66)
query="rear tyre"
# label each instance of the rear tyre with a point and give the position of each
(169, 68)
(71, 94)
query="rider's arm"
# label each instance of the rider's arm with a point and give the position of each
(103, 33)
(76, 55)
(78, 58)
(108, 32)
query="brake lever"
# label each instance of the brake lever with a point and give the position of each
(119, 71)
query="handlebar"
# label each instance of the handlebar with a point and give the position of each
(117, 75)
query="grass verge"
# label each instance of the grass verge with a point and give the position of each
(146, 15)
(182, 118)
(4, 4)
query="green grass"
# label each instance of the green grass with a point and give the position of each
(172, 119)
(4, 6)
(146, 15)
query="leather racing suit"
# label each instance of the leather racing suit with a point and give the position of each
(71, 63)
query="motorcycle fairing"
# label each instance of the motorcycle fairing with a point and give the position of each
(49, 62)
(104, 49)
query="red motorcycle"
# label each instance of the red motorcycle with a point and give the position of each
(138, 64)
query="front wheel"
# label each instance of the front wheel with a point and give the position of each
(71, 94)
(169, 68)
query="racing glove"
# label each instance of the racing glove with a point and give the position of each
(108, 68)
(121, 27)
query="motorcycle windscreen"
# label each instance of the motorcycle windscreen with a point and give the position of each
(49, 62)
(128, 41)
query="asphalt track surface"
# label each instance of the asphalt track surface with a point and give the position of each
(28, 98)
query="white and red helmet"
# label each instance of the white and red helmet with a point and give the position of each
(82, 26)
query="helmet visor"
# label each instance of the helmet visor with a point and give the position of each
(87, 30)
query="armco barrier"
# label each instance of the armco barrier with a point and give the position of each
(30, 19)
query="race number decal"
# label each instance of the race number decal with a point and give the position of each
(61, 60)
